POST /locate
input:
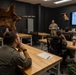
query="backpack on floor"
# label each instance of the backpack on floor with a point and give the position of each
(72, 67)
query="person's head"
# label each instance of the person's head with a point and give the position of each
(53, 21)
(58, 33)
(66, 29)
(11, 38)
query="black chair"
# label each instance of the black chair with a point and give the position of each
(35, 38)
(56, 47)
(68, 35)
(24, 31)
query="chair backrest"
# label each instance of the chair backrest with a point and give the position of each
(68, 35)
(24, 31)
(35, 37)
(55, 45)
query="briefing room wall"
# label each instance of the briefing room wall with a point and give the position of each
(46, 17)
(22, 9)
(59, 17)
(43, 15)
(26, 9)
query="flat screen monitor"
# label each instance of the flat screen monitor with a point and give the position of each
(73, 18)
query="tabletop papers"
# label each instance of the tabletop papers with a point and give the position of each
(45, 55)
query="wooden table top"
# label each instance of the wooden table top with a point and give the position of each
(71, 46)
(21, 35)
(38, 63)
(43, 40)
(43, 34)
(74, 38)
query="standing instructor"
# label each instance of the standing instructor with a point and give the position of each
(53, 27)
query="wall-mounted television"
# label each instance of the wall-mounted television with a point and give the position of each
(73, 18)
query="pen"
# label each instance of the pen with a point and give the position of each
(48, 57)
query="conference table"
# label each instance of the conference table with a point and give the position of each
(22, 35)
(69, 45)
(40, 64)
(42, 34)
(74, 38)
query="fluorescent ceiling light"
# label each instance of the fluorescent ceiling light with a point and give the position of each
(46, 0)
(61, 1)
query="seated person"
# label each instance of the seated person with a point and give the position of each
(57, 46)
(10, 58)
(57, 43)
(60, 35)
(68, 35)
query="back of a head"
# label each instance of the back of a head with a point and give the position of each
(68, 36)
(9, 37)
(66, 29)
(58, 32)
(56, 45)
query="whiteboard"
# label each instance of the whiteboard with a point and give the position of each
(30, 25)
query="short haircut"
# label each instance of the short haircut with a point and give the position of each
(66, 29)
(9, 38)
(58, 32)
